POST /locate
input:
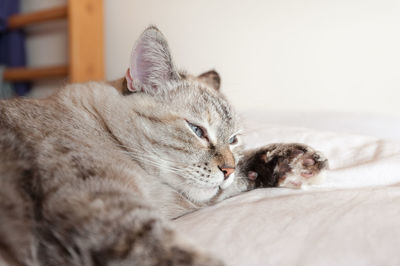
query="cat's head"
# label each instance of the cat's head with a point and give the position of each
(188, 129)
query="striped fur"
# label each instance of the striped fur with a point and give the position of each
(89, 175)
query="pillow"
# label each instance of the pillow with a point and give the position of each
(350, 219)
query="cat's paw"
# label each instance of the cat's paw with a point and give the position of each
(286, 165)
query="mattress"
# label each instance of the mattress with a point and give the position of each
(352, 218)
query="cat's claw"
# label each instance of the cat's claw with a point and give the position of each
(286, 165)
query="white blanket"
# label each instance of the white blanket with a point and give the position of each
(353, 218)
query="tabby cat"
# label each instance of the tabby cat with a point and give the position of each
(92, 174)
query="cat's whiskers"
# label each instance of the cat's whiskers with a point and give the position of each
(191, 180)
(148, 154)
(151, 156)
(141, 158)
(156, 162)
(150, 161)
(130, 150)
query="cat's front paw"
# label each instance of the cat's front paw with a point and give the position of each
(286, 165)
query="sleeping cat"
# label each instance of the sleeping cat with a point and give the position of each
(91, 175)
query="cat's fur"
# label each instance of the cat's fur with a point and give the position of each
(90, 175)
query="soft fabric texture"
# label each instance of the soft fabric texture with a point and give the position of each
(351, 219)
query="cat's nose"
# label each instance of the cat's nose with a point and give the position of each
(226, 170)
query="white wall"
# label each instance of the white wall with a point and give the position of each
(278, 54)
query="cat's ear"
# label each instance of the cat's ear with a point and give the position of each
(151, 66)
(211, 78)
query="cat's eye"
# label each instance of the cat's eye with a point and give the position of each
(233, 140)
(197, 130)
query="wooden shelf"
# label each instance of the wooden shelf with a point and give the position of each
(21, 20)
(85, 42)
(28, 74)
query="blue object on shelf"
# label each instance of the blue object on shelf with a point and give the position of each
(12, 43)
(6, 89)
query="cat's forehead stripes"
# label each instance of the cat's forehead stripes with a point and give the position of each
(219, 105)
(203, 101)
(208, 103)
(219, 114)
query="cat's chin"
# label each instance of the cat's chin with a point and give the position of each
(201, 194)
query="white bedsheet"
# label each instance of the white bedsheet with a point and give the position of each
(353, 218)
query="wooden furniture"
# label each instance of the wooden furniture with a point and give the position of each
(85, 44)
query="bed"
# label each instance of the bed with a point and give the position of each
(353, 218)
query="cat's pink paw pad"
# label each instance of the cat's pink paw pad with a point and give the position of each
(252, 175)
(302, 168)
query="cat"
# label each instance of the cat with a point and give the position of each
(92, 174)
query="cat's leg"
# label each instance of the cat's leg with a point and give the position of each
(104, 223)
(290, 165)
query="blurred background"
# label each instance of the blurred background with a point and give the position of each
(310, 55)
